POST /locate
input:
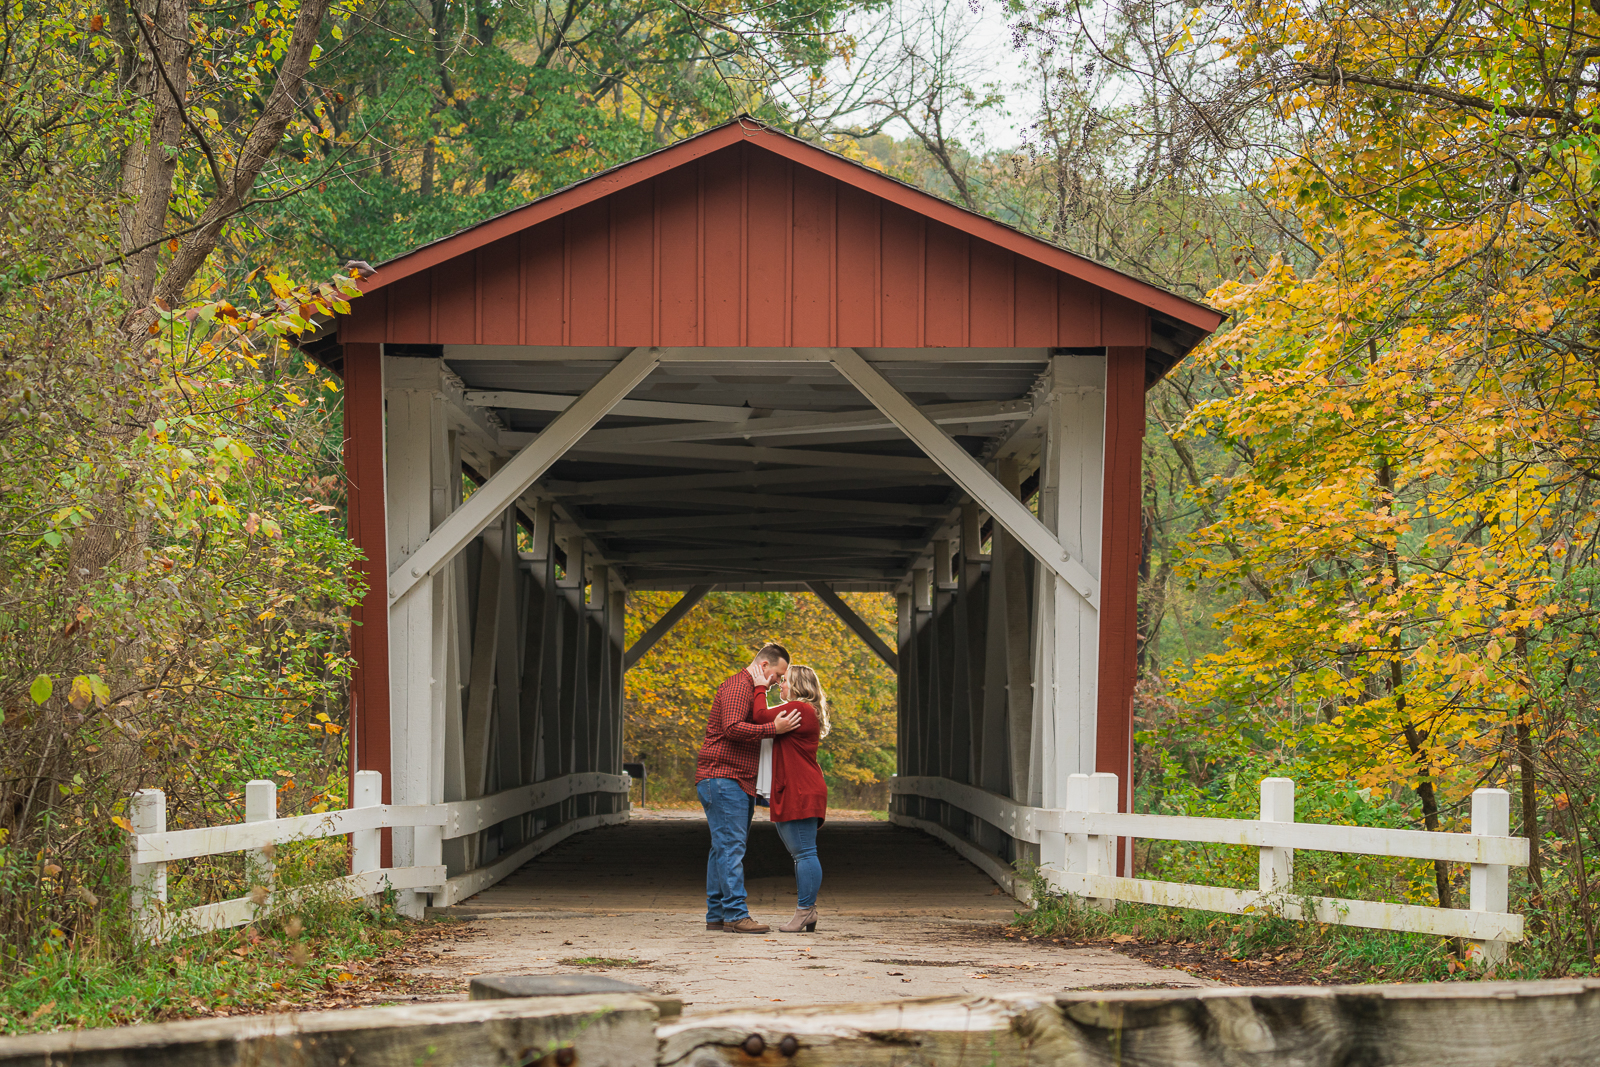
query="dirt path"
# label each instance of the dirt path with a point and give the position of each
(902, 916)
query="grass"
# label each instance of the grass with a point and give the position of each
(283, 962)
(604, 961)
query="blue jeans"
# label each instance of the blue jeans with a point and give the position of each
(800, 838)
(729, 810)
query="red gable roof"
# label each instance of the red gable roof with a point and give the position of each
(743, 235)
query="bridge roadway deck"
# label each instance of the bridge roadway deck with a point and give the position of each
(901, 915)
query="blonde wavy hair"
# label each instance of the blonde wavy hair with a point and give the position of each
(804, 685)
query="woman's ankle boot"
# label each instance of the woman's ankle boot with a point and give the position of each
(804, 919)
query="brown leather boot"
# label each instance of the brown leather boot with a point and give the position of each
(745, 925)
(713, 926)
(804, 919)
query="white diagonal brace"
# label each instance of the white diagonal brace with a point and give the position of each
(521, 471)
(967, 472)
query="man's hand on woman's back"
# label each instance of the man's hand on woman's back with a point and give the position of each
(786, 721)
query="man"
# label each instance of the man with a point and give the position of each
(725, 779)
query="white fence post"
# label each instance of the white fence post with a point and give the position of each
(1491, 815)
(1277, 864)
(147, 814)
(1077, 844)
(260, 805)
(1101, 849)
(366, 846)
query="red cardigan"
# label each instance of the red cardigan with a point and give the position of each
(798, 789)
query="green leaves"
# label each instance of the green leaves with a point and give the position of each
(41, 689)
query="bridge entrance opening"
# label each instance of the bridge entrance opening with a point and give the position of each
(741, 363)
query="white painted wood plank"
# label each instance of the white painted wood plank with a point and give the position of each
(511, 481)
(990, 864)
(1071, 505)
(666, 451)
(1013, 819)
(226, 914)
(1319, 837)
(463, 886)
(1376, 915)
(647, 409)
(966, 472)
(469, 816)
(804, 425)
(1364, 840)
(218, 840)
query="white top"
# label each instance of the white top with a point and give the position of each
(764, 770)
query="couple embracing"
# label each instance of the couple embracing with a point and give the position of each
(744, 738)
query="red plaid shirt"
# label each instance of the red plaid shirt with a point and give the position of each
(732, 748)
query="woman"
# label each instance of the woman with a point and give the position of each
(799, 799)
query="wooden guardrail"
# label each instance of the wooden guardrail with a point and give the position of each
(152, 846)
(1091, 825)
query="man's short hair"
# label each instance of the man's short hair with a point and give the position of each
(773, 653)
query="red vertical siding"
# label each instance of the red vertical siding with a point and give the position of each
(411, 310)
(946, 290)
(992, 296)
(367, 527)
(1119, 565)
(368, 320)
(857, 261)
(678, 252)
(588, 276)
(544, 284)
(499, 291)
(768, 203)
(901, 252)
(455, 303)
(811, 301)
(1078, 311)
(745, 247)
(722, 275)
(1122, 322)
(1036, 310)
(633, 265)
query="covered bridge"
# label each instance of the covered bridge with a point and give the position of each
(741, 362)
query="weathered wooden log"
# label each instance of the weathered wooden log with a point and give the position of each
(1481, 1024)
(575, 1031)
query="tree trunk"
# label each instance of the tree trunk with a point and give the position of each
(158, 39)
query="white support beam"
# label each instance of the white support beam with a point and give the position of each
(859, 626)
(968, 473)
(645, 409)
(731, 553)
(719, 498)
(662, 452)
(750, 521)
(631, 489)
(690, 574)
(512, 480)
(724, 534)
(803, 425)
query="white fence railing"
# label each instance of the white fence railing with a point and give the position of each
(152, 846)
(1091, 826)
